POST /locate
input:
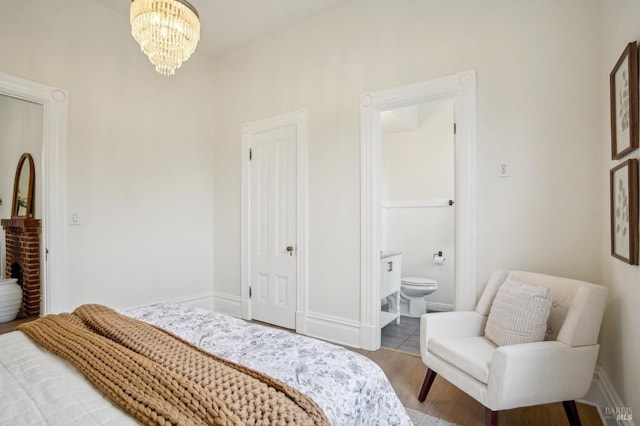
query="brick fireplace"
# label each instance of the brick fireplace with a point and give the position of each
(23, 249)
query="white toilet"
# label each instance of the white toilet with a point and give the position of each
(414, 289)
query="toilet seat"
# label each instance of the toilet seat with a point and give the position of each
(414, 290)
(419, 282)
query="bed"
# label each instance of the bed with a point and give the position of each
(38, 387)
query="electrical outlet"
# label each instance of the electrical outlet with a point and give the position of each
(503, 169)
(75, 218)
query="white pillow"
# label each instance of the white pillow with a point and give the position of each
(518, 314)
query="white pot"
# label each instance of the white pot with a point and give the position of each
(10, 299)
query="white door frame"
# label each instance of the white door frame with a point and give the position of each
(460, 87)
(54, 184)
(299, 119)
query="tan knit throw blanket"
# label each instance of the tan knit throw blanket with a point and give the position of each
(160, 378)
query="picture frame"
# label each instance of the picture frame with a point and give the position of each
(623, 85)
(624, 211)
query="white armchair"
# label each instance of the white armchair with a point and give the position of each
(560, 368)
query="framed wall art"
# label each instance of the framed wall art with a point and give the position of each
(624, 211)
(623, 84)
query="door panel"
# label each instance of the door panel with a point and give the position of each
(273, 226)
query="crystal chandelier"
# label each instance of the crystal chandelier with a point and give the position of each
(167, 31)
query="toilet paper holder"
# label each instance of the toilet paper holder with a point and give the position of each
(438, 258)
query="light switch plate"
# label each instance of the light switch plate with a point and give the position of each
(503, 169)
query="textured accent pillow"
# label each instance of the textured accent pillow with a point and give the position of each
(518, 314)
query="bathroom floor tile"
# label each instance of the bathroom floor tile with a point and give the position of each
(408, 346)
(404, 337)
(397, 331)
(410, 323)
(415, 338)
(392, 342)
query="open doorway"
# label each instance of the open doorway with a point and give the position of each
(50, 106)
(459, 90)
(417, 217)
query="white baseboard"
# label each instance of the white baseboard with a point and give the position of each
(325, 327)
(301, 322)
(368, 337)
(437, 306)
(204, 300)
(228, 304)
(332, 329)
(603, 396)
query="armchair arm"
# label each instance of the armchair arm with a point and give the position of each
(451, 324)
(539, 373)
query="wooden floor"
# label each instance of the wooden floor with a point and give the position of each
(406, 373)
(6, 327)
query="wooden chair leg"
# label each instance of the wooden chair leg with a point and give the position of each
(426, 385)
(572, 412)
(490, 417)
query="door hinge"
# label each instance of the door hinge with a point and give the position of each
(250, 154)
(249, 292)
(455, 128)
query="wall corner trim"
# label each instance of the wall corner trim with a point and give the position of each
(604, 397)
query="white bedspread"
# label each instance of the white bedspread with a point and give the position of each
(39, 388)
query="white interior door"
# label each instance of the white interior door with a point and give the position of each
(273, 226)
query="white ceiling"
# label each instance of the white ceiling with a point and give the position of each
(227, 25)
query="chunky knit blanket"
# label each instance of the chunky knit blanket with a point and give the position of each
(159, 378)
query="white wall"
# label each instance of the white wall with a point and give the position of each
(619, 336)
(20, 132)
(419, 170)
(140, 152)
(419, 164)
(536, 71)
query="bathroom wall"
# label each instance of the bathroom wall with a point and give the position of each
(418, 180)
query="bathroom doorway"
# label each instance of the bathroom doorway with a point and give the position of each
(418, 213)
(457, 93)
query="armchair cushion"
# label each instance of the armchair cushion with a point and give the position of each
(469, 354)
(518, 314)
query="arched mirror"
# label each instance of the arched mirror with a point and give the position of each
(23, 191)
